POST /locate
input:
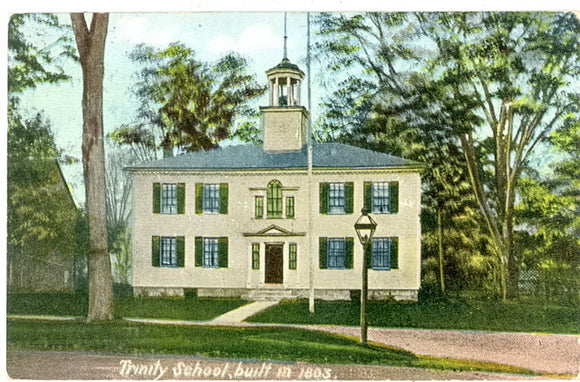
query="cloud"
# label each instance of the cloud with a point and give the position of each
(254, 38)
(137, 29)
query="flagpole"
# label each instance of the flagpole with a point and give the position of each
(310, 180)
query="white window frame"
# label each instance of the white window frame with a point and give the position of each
(168, 252)
(169, 198)
(336, 198)
(381, 198)
(210, 252)
(211, 198)
(336, 252)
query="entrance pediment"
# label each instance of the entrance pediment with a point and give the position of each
(275, 231)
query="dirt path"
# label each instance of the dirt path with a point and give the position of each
(83, 366)
(552, 353)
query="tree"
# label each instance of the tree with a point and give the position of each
(502, 80)
(119, 186)
(41, 216)
(190, 104)
(383, 105)
(91, 48)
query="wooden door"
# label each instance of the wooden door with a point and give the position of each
(274, 264)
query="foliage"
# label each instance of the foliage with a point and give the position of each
(190, 104)
(30, 64)
(41, 213)
(488, 86)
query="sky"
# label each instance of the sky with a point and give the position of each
(256, 31)
(258, 36)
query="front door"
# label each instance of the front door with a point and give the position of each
(274, 264)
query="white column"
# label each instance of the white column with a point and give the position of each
(290, 92)
(276, 96)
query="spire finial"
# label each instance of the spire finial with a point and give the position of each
(285, 39)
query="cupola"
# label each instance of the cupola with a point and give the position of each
(284, 119)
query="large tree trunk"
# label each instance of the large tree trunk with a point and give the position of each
(91, 47)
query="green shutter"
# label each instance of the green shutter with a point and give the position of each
(181, 198)
(156, 251)
(369, 256)
(156, 198)
(224, 198)
(349, 196)
(180, 251)
(368, 196)
(394, 197)
(199, 198)
(292, 256)
(394, 253)
(324, 190)
(259, 207)
(198, 251)
(290, 207)
(323, 252)
(223, 252)
(255, 256)
(349, 253)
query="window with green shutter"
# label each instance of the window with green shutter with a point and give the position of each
(181, 198)
(290, 207)
(169, 198)
(211, 198)
(381, 197)
(168, 251)
(385, 253)
(255, 256)
(293, 254)
(211, 252)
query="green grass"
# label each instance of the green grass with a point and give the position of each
(460, 314)
(191, 309)
(281, 344)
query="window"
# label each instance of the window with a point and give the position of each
(211, 198)
(292, 256)
(211, 252)
(381, 197)
(380, 203)
(255, 256)
(290, 207)
(259, 204)
(274, 195)
(384, 253)
(169, 198)
(336, 198)
(168, 251)
(336, 253)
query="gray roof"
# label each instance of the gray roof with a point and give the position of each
(250, 157)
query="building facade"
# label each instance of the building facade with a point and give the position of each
(259, 222)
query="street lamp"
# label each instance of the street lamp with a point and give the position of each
(365, 228)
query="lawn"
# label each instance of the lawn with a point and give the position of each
(255, 343)
(458, 314)
(462, 314)
(191, 309)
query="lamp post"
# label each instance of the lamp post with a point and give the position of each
(365, 228)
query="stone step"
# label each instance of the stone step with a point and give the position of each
(269, 294)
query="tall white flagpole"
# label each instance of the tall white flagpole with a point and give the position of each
(310, 180)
